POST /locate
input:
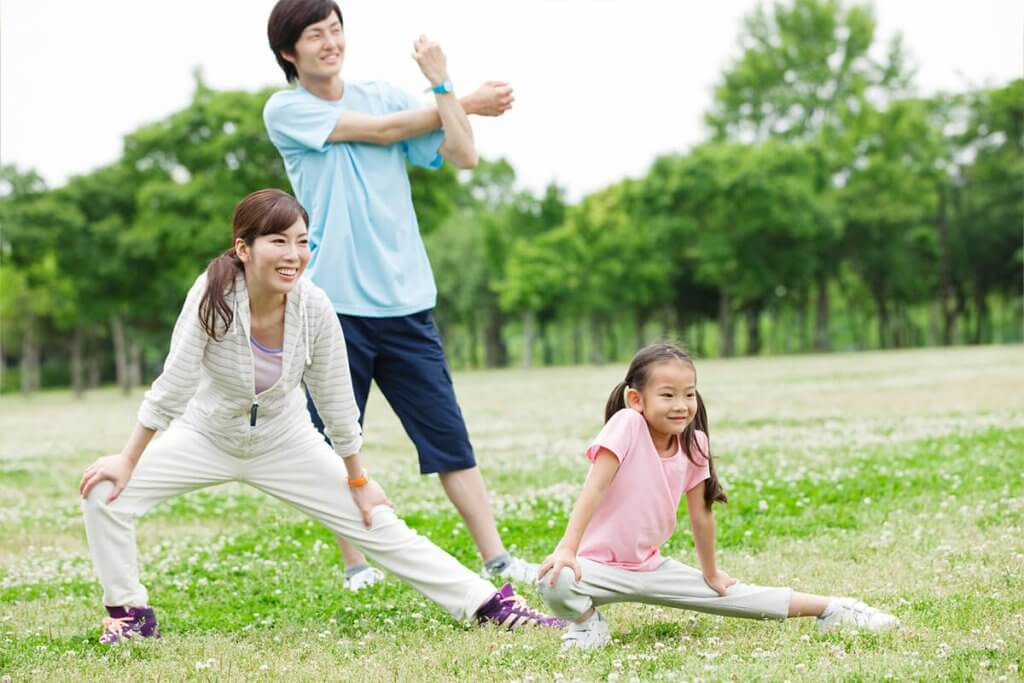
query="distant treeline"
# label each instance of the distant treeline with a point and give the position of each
(829, 208)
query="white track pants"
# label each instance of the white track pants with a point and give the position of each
(309, 476)
(673, 584)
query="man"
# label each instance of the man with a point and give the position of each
(367, 253)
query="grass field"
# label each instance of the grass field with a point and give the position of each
(895, 477)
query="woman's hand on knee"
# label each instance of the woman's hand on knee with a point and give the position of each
(562, 557)
(367, 497)
(116, 469)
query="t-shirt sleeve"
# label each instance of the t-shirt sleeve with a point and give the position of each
(298, 124)
(698, 470)
(423, 150)
(618, 435)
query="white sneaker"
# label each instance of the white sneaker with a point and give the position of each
(366, 577)
(847, 613)
(517, 569)
(592, 633)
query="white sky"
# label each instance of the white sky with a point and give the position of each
(602, 86)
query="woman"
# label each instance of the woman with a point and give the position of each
(250, 334)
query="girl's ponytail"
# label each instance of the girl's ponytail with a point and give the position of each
(215, 315)
(713, 491)
(616, 400)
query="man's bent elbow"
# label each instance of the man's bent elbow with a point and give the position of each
(467, 161)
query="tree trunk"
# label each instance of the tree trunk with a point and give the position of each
(981, 315)
(822, 324)
(577, 341)
(753, 316)
(883, 321)
(3, 361)
(611, 347)
(120, 353)
(667, 326)
(789, 321)
(683, 330)
(29, 359)
(597, 356)
(94, 371)
(857, 332)
(134, 362)
(639, 322)
(77, 364)
(933, 333)
(546, 350)
(473, 333)
(726, 324)
(947, 302)
(529, 320)
(495, 352)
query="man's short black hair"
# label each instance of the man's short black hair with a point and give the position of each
(288, 20)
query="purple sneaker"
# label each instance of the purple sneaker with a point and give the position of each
(508, 610)
(127, 622)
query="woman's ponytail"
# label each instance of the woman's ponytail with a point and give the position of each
(215, 315)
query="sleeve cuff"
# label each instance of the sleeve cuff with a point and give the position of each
(348, 448)
(151, 419)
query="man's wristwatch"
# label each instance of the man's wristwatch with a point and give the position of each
(444, 87)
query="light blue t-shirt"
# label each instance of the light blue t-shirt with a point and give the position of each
(367, 253)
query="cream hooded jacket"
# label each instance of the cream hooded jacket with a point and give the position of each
(209, 386)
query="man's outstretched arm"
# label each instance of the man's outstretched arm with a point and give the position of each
(458, 146)
(493, 98)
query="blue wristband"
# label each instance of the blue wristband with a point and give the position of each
(444, 87)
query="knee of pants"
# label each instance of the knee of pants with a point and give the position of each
(96, 501)
(383, 515)
(561, 598)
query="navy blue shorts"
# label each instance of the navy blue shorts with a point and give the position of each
(403, 355)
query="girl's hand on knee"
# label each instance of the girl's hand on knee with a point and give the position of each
(114, 468)
(720, 582)
(562, 557)
(367, 497)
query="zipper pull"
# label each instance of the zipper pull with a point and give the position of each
(252, 414)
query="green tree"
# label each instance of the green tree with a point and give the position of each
(744, 220)
(805, 72)
(889, 203)
(989, 201)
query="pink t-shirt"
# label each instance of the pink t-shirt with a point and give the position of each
(638, 512)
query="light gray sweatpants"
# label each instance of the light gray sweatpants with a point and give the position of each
(672, 584)
(308, 475)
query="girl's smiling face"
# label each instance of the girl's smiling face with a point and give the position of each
(668, 400)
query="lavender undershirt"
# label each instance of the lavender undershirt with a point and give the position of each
(266, 364)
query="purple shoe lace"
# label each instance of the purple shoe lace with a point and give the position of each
(127, 622)
(508, 610)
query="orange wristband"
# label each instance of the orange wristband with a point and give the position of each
(360, 481)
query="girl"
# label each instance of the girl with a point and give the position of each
(654, 446)
(251, 332)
